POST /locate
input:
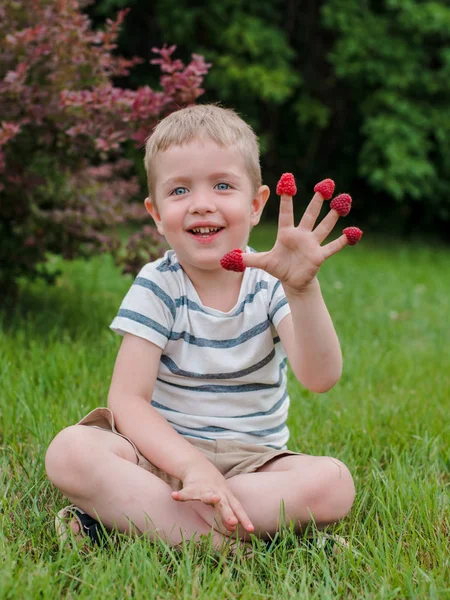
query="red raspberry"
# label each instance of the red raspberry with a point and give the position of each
(232, 261)
(325, 187)
(353, 235)
(286, 185)
(342, 204)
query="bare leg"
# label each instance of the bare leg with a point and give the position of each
(97, 471)
(310, 487)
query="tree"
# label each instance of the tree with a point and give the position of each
(396, 62)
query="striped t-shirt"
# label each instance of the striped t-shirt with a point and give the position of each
(222, 375)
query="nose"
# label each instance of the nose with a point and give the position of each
(202, 202)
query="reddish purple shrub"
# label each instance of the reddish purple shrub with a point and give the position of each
(64, 187)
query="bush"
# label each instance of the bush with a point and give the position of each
(65, 185)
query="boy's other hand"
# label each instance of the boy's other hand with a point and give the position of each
(298, 254)
(212, 489)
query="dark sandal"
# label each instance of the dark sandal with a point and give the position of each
(89, 527)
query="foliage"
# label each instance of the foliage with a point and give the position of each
(64, 188)
(400, 74)
(357, 91)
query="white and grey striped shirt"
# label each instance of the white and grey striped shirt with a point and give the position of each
(222, 375)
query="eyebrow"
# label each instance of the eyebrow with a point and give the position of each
(173, 180)
(224, 175)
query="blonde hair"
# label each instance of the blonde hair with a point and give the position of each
(204, 121)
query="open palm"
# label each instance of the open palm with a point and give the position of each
(298, 254)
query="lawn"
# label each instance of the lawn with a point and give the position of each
(387, 419)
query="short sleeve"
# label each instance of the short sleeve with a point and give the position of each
(147, 310)
(278, 305)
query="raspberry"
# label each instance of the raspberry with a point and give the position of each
(353, 235)
(286, 185)
(232, 261)
(342, 204)
(325, 187)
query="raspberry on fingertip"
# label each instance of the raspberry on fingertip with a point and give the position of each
(325, 187)
(286, 185)
(353, 235)
(342, 204)
(233, 261)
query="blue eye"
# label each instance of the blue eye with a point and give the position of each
(223, 186)
(179, 191)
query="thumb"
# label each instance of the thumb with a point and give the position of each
(257, 260)
(183, 495)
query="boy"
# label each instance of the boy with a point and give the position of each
(194, 437)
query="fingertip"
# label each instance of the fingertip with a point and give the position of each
(286, 185)
(325, 188)
(353, 235)
(342, 204)
(233, 261)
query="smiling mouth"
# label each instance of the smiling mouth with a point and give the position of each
(205, 231)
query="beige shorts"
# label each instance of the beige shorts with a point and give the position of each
(229, 457)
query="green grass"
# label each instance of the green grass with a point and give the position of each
(387, 419)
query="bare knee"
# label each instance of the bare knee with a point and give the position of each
(76, 457)
(74, 460)
(345, 489)
(65, 452)
(332, 492)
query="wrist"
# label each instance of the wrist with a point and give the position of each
(198, 465)
(309, 289)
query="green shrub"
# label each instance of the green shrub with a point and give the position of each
(65, 187)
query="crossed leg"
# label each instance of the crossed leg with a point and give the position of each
(97, 471)
(308, 488)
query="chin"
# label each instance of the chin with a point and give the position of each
(204, 264)
(209, 265)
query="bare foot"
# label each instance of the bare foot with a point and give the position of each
(75, 526)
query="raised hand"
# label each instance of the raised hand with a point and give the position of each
(211, 488)
(298, 254)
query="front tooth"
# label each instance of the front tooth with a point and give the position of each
(205, 229)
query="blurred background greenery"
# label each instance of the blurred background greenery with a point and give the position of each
(355, 90)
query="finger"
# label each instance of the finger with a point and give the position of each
(286, 188)
(184, 495)
(210, 498)
(312, 212)
(241, 515)
(286, 214)
(326, 226)
(335, 246)
(255, 259)
(227, 515)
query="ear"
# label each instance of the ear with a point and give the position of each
(153, 212)
(258, 204)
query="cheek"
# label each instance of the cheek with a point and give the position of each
(172, 221)
(239, 210)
